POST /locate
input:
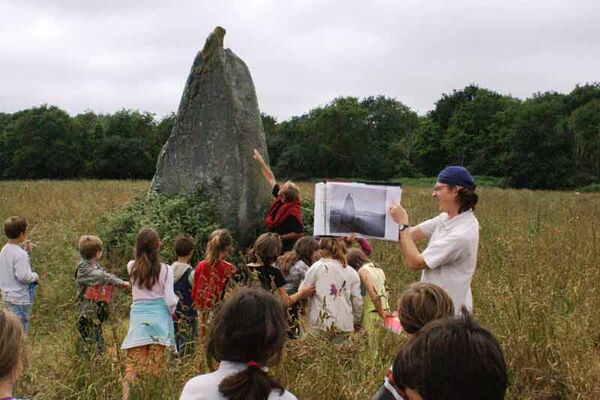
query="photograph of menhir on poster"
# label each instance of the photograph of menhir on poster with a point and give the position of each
(344, 208)
(357, 209)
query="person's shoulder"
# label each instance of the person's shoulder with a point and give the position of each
(204, 386)
(276, 395)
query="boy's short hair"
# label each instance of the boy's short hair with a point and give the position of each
(184, 245)
(422, 302)
(452, 358)
(89, 246)
(14, 226)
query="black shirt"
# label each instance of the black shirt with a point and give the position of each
(256, 275)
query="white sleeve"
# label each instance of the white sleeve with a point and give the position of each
(23, 271)
(427, 227)
(443, 251)
(170, 297)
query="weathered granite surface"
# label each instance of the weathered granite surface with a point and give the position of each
(218, 125)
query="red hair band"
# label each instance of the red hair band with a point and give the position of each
(253, 363)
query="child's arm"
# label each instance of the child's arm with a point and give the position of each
(87, 275)
(170, 297)
(357, 301)
(375, 298)
(23, 271)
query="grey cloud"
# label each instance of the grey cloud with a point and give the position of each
(114, 54)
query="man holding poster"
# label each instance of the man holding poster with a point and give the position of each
(450, 257)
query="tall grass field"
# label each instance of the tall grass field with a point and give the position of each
(537, 288)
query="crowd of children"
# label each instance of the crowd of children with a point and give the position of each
(244, 314)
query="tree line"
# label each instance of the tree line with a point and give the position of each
(548, 141)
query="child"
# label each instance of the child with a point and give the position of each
(151, 330)
(212, 275)
(247, 337)
(420, 303)
(337, 304)
(452, 358)
(185, 314)
(13, 351)
(262, 272)
(93, 310)
(16, 275)
(293, 265)
(372, 278)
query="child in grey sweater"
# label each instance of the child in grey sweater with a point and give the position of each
(90, 275)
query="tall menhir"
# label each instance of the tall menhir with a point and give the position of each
(217, 126)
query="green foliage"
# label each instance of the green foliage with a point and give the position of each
(170, 216)
(549, 141)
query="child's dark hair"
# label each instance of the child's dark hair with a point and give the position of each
(184, 245)
(304, 249)
(218, 241)
(356, 258)
(266, 249)
(14, 226)
(421, 303)
(146, 267)
(452, 358)
(13, 349)
(249, 328)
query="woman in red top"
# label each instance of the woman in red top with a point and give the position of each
(212, 274)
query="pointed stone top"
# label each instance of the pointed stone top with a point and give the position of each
(214, 40)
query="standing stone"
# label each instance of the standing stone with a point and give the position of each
(218, 125)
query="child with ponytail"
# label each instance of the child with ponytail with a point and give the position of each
(151, 330)
(337, 304)
(247, 336)
(212, 274)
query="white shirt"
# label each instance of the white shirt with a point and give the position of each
(15, 274)
(337, 300)
(207, 386)
(451, 255)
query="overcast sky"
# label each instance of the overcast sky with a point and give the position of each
(112, 54)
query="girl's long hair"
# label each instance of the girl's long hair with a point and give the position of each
(266, 249)
(218, 242)
(335, 248)
(146, 267)
(249, 328)
(304, 249)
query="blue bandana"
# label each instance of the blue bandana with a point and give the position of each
(456, 176)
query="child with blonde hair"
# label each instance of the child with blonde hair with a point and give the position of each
(337, 303)
(93, 282)
(13, 353)
(212, 275)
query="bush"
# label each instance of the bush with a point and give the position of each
(171, 216)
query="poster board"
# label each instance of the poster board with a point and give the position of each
(343, 208)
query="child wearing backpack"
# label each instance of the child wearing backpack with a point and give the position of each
(94, 292)
(184, 319)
